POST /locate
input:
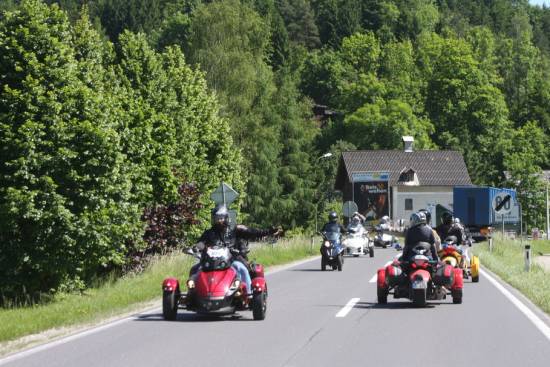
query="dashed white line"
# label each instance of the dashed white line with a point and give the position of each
(375, 276)
(347, 308)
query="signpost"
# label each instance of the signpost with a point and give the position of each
(349, 208)
(224, 194)
(502, 205)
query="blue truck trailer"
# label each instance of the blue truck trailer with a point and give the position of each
(474, 206)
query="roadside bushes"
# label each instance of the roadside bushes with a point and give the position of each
(90, 136)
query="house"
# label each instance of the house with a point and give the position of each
(398, 182)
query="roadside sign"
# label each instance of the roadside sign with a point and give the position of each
(349, 208)
(502, 203)
(224, 194)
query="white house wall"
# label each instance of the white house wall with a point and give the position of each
(423, 197)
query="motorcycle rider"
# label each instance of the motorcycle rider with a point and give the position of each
(428, 223)
(449, 228)
(356, 223)
(221, 234)
(419, 231)
(333, 225)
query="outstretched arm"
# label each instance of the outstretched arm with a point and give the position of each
(245, 232)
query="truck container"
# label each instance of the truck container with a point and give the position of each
(474, 206)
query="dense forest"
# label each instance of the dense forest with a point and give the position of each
(118, 118)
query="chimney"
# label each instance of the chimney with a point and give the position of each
(408, 143)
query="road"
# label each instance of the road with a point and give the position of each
(302, 329)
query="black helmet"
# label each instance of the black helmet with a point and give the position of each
(447, 218)
(333, 216)
(428, 215)
(220, 212)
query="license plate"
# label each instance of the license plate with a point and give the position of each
(418, 284)
(216, 252)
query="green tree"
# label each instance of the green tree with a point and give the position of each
(64, 207)
(517, 65)
(296, 172)
(380, 125)
(300, 22)
(232, 50)
(523, 163)
(468, 112)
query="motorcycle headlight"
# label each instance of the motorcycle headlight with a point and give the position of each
(190, 284)
(327, 244)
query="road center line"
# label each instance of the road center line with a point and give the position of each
(347, 308)
(541, 325)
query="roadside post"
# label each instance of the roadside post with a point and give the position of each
(527, 258)
(491, 244)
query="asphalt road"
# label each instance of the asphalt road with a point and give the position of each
(302, 329)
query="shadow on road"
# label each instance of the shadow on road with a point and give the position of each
(317, 270)
(193, 317)
(397, 305)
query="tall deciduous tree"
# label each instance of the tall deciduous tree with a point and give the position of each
(64, 202)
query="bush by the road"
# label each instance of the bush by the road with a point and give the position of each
(90, 136)
(507, 261)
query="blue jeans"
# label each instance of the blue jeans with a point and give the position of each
(243, 274)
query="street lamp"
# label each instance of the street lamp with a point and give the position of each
(326, 155)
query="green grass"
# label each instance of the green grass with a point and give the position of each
(129, 293)
(507, 261)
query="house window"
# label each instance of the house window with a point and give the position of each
(408, 204)
(407, 176)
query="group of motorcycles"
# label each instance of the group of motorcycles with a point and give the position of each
(356, 243)
(216, 289)
(421, 279)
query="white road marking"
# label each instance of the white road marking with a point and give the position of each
(347, 308)
(375, 276)
(541, 325)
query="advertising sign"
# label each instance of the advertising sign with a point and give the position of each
(371, 194)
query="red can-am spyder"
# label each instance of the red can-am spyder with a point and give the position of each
(215, 289)
(419, 279)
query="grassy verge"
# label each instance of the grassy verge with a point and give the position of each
(507, 261)
(128, 293)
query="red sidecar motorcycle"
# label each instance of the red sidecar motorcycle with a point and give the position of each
(215, 289)
(419, 279)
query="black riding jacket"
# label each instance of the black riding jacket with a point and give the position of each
(420, 233)
(446, 230)
(233, 238)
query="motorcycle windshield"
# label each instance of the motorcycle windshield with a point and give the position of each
(216, 258)
(333, 236)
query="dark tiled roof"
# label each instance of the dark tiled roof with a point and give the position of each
(432, 167)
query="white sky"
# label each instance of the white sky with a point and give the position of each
(540, 2)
